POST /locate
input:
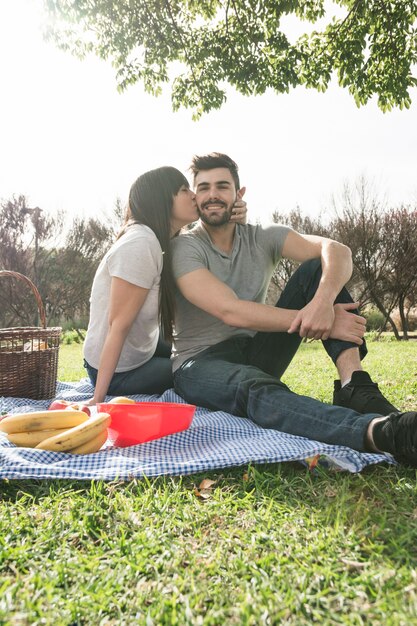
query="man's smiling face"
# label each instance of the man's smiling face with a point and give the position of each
(215, 195)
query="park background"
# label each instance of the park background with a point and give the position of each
(251, 546)
(72, 145)
(71, 142)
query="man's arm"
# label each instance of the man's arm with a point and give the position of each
(336, 259)
(209, 293)
(316, 319)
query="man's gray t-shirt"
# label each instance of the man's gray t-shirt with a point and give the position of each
(247, 270)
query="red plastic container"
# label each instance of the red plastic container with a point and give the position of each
(143, 421)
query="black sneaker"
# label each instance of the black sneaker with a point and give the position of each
(397, 434)
(362, 395)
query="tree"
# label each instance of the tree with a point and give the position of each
(26, 241)
(400, 240)
(60, 262)
(384, 249)
(70, 271)
(285, 269)
(370, 45)
(14, 254)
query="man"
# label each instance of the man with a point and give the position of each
(231, 349)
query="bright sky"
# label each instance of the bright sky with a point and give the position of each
(70, 141)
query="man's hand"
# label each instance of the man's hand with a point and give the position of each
(348, 326)
(318, 321)
(314, 321)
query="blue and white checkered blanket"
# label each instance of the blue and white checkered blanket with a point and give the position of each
(214, 440)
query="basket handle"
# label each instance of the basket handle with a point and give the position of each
(34, 290)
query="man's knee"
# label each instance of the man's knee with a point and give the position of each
(307, 277)
(310, 267)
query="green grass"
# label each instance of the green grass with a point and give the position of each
(272, 544)
(70, 363)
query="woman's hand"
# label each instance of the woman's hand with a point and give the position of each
(239, 212)
(89, 402)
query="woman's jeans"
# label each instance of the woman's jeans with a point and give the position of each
(242, 376)
(154, 377)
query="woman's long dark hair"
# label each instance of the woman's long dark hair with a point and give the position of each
(150, 203)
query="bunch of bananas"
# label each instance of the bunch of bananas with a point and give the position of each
(67, 430)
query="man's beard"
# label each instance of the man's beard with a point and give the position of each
(215, 218)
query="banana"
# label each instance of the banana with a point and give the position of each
(122, 400)
(77, 436)
(31, 439)
(42, 420)
(93, 445)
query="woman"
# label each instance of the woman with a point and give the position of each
(133, 292)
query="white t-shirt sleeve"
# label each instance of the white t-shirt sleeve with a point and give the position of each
(136, 262)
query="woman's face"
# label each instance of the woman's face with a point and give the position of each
(184, 209)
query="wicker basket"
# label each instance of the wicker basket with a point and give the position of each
(29, 355)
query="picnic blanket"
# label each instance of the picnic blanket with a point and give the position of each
(215, 440)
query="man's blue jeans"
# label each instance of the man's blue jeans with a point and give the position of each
(154, 377)
(242, 376)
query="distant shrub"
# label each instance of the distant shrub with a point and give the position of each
(72, 336)
(81, 324)
(374, 320)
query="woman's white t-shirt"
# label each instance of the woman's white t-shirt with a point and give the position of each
(137, 258)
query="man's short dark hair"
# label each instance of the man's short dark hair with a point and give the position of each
(212, 161)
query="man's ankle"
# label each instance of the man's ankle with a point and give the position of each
(348, 361)
(369, 438)
(352, 377)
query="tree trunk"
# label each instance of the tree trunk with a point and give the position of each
(404, 321)
(79, 333)
(387, 315)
